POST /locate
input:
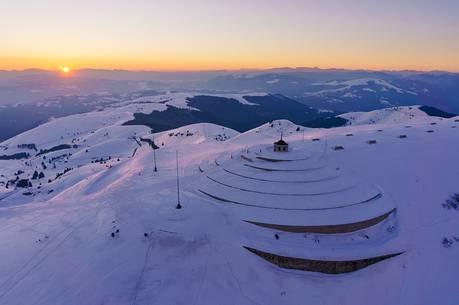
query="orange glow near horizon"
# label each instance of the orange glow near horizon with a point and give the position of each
(164, 35)
(220, 63)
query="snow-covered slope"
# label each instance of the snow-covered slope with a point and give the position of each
(394, 115)
(160, 102)
(105, 228)
(194, 134)
(348, 84)
(18, 118)
(269, 131)
(67, 150)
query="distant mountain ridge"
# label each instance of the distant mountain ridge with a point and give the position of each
(228, 112)
(167, 110)
(333, 89)
(32, 97)
(394, 115)
(344, 90)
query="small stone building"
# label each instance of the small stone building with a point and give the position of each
(280, 145)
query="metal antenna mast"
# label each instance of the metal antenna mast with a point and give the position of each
(154, 153)
(179, 206)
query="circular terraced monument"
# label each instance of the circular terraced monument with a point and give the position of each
(294, 191)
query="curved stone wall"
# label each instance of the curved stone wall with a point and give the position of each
(322, 266)
(326, 229)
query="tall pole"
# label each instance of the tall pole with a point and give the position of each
(154, 153)
(178, 185)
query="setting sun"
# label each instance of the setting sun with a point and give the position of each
(65, 69)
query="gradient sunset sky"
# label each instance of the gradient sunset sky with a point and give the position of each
(229, 34)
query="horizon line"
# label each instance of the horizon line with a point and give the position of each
(232, 70)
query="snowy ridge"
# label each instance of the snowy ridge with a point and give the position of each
(106, 231)
(394, 115)
(194, 134)
(272, 130)
(345, 85)
(180, 100)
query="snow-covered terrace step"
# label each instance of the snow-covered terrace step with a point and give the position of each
(269, 155)
(339, 183)
(288, 168)
(359, 195)
(348, 214)
(381, 235)
(327, 229)
(282, 176)
(280, 164)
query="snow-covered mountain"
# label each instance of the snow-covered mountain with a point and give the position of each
(29, 98)
(395, 115)
(162, 110)
(86, 219)
(345, 90)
